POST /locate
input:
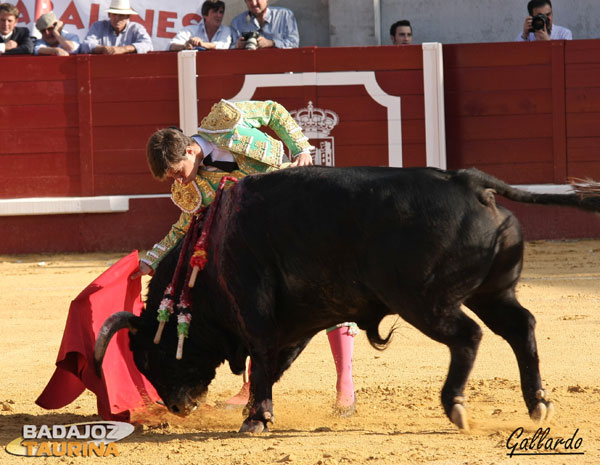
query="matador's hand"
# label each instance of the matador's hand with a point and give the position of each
(304, 159)
(143, 269)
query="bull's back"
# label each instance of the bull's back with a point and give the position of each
(366, 224)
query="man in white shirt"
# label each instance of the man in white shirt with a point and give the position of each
(208, 34)
(539, 24)
(117, 35)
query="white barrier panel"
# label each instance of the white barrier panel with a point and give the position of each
(435, 122)
(188, 95)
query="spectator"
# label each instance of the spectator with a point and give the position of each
(209, 33)
(13, 40)
(401, 32)
(276, 26)
(55, 40)
(117, 35)
(542, 28)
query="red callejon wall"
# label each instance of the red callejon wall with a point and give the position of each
(77, 126)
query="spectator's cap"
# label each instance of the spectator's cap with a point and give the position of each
(121, 7)
(45, 21)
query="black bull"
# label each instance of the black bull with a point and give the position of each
(300, 250)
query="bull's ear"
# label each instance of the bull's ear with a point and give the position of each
(113, 323)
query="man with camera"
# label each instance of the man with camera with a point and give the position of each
(264, 27)
(55, 40)
(538, 25)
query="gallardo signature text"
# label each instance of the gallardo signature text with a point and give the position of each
(542, 443)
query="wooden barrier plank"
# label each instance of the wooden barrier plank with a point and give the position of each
(412, 107)
(583, 75)
(368, 58)
(39, 116)
(498, 102)
(509, 151)
(584, 149)
(263, 61)
(46, 164)
(583, 124)
(558, 111)
(85, 122)
(583, 100)
(582, 51)
(217, 87)
(123, 137)
(41, 186)
(403, 82)
(135, 113)
(40, 93)
(361, 132)
(494, 55)
(26, 68)
(413, 131)
(134, 65)
(522, 173)
(353, 108)
(467, 128)
(361, 155)
(129, 184)
(121, 161)
(584, 169)
(533, 78)
(135, 89)
(413, 154)
(27, 140)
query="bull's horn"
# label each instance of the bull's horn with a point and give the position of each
(113, 323)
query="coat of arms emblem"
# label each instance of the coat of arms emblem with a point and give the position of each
(317, 124)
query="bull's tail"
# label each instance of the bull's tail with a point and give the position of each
(584, 195)
(375, 339)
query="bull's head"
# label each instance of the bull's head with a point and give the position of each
(180, 383)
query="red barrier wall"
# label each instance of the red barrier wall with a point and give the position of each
(525, 112)
(77, 126)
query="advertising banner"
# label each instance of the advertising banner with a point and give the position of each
(161, 20)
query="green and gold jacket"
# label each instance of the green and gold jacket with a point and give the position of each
(233, 127)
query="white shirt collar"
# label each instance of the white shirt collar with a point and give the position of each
(206, 146)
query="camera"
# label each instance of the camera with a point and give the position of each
(250, 39)
(539, 22)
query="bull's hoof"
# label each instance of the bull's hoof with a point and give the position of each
(253, 426)
(542, 413)
(458, 416)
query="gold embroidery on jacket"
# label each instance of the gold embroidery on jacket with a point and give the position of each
(222, 116)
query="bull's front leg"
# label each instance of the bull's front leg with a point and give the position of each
(260, 411)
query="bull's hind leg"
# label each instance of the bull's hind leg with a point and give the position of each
(462, 336)
(505, 316)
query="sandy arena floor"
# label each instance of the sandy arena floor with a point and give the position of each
(399, 418)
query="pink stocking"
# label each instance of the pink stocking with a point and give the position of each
(241, 398)
(342, 347)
